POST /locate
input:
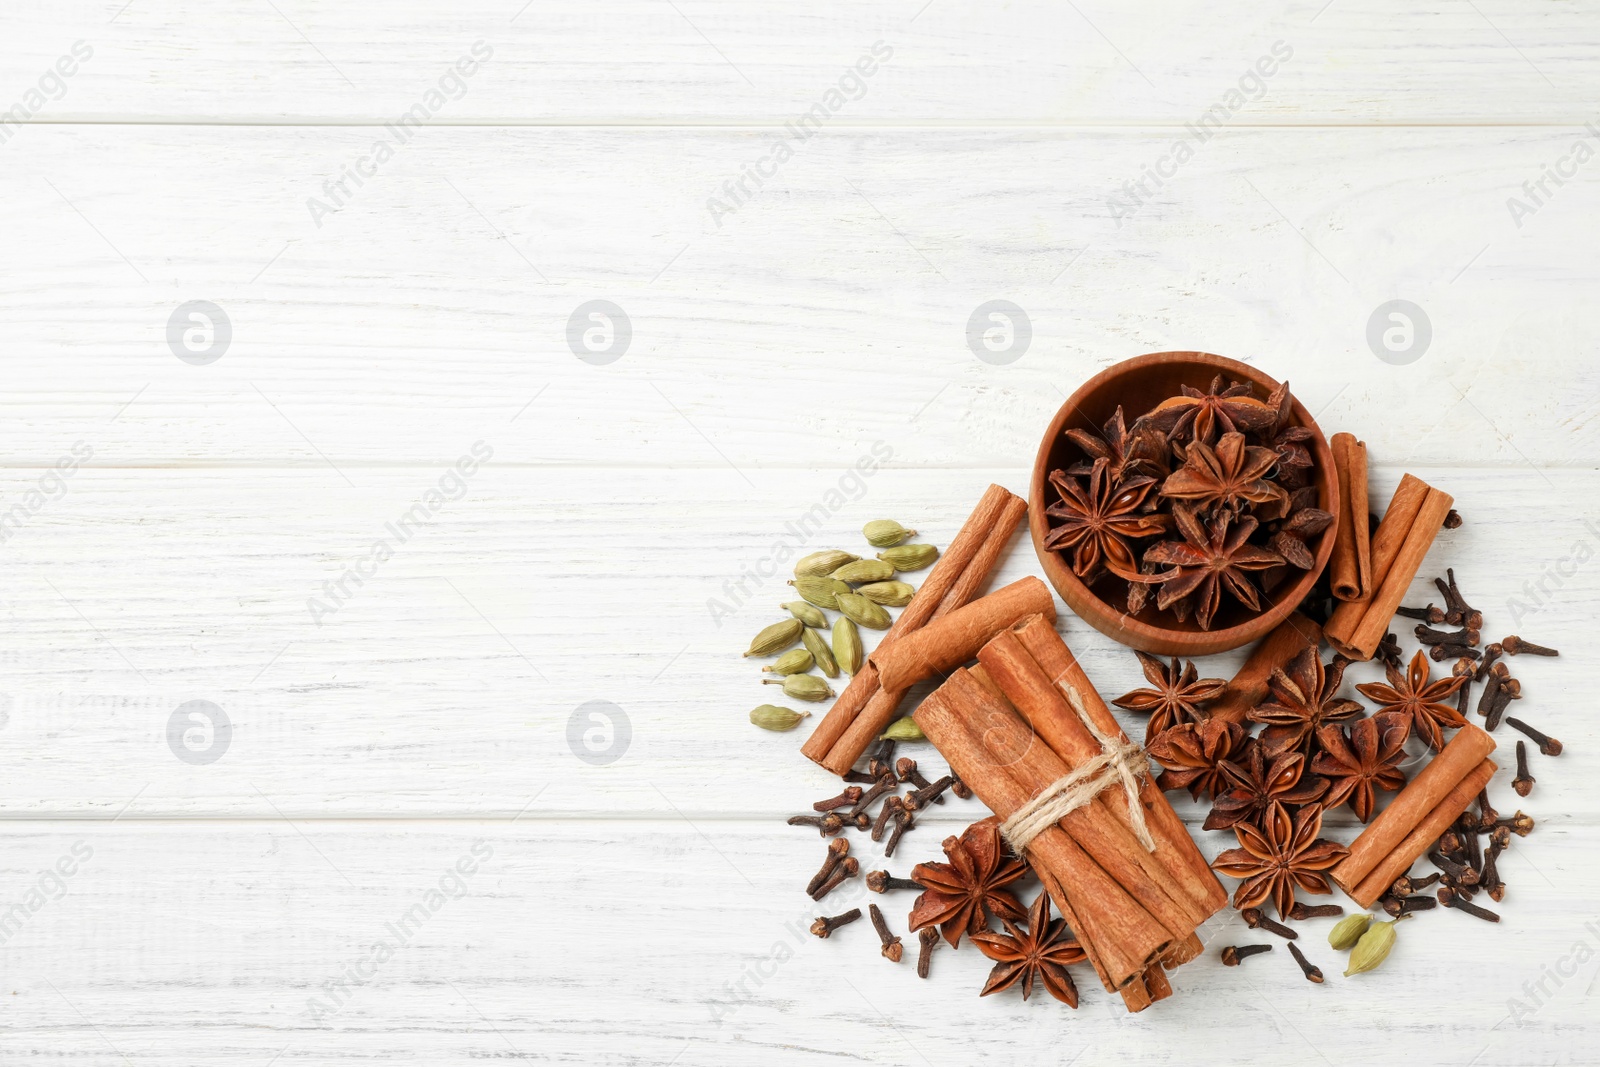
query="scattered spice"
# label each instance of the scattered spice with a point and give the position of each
(928, 939)
(825, 926)
(1516, 646)
(1548, 745)
(1039, 948)
(1302, 701)
(883, 882)
(1177, 697)
(1257, 921)
(1414, 696)
(892, 949)
(1523, 782)
(974, 883)
(1282, 853)
(1312, 972)
(1233, 955)
(1364, 760)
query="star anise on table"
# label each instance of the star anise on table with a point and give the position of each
(1197, 416)
(1192, 754)
(1141, 451)
(1257, 782)
(1365, 759)
(1411, 694)
(1278, 855)
(1042, 950)
(1097, 519)
(961, 892)
(1302, 702)
(1231, 476)
(1209, 559)
(1290, 540)
(1176, 698)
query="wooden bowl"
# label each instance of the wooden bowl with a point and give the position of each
(1138, 385)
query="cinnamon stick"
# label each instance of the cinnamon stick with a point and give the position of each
(1363, 639)
(953, 639)
(1249, 687)
(1351, 565)
(1422, 837)
(1465, 751)
(980, 743)
(1386, 542)
(1136, 995)
(971, 555)
(1174, 847)
(1155, 980)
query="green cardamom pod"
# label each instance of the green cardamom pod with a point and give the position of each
(863, 612)
(886, 532)
(807, 614)
(802, 687)
(776, 638)
(864, 570)
(794, 661)
(847, 646)
(909, 557)
(821, 564)
(819, 652)
(905, 729)
(820, 591)
(771, 717)
(1348, 930)
(889, 594)
(1373, 948)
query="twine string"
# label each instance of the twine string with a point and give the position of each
(1120, 760)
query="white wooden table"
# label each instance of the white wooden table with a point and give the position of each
(179, 499)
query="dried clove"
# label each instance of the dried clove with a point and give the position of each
(1452, 519)
(1300, 912)
(891, 944)
(1523, 782)
(1489, 877)
(961, 789)
(885, 784)
(1408, 884)
(1388, 652)
(1440, 653)
(928, 938)
(826, 925)
(1257, 921)
(1457, 612)
(847, 868)
(1449, 898)
(1510, 689)
(843, 800)
(906, 770)
(860, 777)
(1460, 873)
(828, 825)
(885, 813)
(1516, 646)
(1313, 973)
(1519, 824)
(1427, 635)
(882, 750)
(902, 822)
(921, 798)
(860, 820)
(1397, 906)
(1430, 614)
(1548, 745)
(883, 882)
(1491, 653)
(1233, 955)
(1486, 813)
(838, 849)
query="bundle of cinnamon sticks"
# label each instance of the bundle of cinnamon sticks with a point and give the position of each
(1423, 810)
(1017, 725)
(868, 704)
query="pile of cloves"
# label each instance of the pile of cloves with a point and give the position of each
(1467, 858)
(897, 813)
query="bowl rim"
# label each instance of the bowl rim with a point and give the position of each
(1136, 633)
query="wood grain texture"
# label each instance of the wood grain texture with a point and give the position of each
(644, 910)
(606, 61)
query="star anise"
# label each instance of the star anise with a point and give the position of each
(1259, 781)
(1209, 559)
(1278, 855)
(1302, 702)
(1198, 416)
(1366, 758)
(1176, 698)
(1098, 519)
(1290, 540)
(1041, 951)
(1412, 695)
(1192, 755)
(1230, 476)
(960, 892)
(1142, 451)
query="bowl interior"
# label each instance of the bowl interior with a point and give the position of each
(1138, 385)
